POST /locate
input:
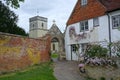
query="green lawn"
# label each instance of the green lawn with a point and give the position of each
(43, 71)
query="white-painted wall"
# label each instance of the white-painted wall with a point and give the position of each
(115, 33)
(95, 34)
(103, 30)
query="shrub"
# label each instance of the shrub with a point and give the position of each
(89, 78)
(96, 50)
(102, 78)
(54, 55)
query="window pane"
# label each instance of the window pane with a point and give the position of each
(95, 22)
(86, 25)
(113, 20)
(82, 26)
(83, 2)
(116, 21)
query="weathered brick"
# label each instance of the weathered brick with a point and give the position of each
(18, 52)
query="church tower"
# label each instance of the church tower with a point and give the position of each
(38, 26)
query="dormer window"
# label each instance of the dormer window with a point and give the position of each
(83, 2)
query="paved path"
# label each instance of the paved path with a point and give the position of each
(67, 70)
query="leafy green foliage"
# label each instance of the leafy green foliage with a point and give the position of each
(38, 72)
(14, 3)
(8, 21)
(54, 55)
(96, 50)
(89, 78)
(102, 78)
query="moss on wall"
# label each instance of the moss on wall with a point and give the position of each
(17, 52)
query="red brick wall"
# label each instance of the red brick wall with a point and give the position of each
(18, 52)
(93, 9)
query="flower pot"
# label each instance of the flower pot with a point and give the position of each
(54, 59)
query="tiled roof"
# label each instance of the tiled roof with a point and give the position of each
(94, 8)
(111, 5)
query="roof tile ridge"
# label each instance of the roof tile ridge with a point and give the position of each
(102, 4)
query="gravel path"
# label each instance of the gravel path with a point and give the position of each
(67, 70)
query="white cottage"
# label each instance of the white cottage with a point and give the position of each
(92, 21)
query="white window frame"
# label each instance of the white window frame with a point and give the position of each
(84, 2)
(84, 26)
(115, 21)
(95, 22)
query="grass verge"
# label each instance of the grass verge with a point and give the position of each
(43, 71)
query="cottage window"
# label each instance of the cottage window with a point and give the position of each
(95, 22)
(116, 21)
(84, 26)
(83, 2)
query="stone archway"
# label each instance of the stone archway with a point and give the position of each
(55, 44)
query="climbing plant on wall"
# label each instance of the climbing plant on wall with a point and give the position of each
(75, 36)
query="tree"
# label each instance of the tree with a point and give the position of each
(14, 3)
(8, 21)
(8, 18)
(19, 31)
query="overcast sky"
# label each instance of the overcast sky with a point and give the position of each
(58, 10)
